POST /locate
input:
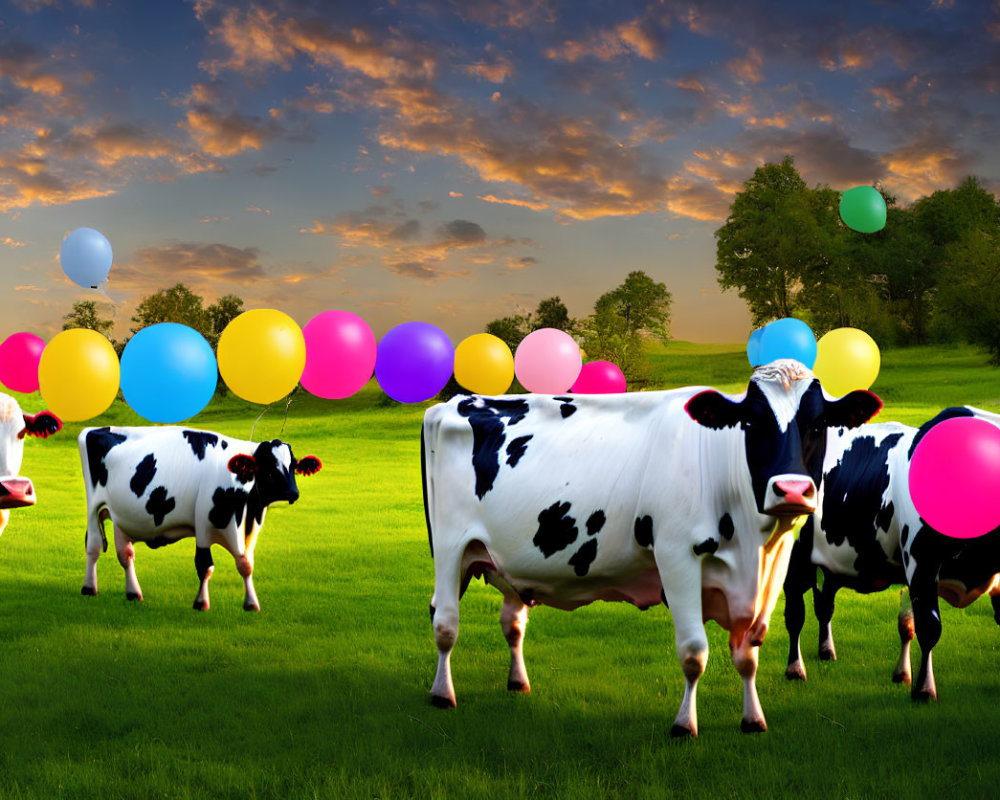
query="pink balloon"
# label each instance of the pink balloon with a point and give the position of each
(19, 357)
(599, 377)
(340, 354)
(547, 361)
(954, 475)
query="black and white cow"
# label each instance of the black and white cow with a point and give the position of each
(870, 536)
(162, 484)
(685, 496)
(16, 491)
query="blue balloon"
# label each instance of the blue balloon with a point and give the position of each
(787, 338)
(414, 361)
(168, 372)
(753, 347)
(86, 257)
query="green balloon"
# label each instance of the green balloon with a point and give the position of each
(863, 209)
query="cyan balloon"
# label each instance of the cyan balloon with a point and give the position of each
(86, 257)
(753, 347)
(168, 372)
(788, 338)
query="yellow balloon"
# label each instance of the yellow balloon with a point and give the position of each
(261, 355)
(846, 359)
(78, 374)
(484, 364)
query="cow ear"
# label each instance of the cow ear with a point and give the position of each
(853, 409)
(43, 424)
(309, 465)
(713, 410)
(244, 467)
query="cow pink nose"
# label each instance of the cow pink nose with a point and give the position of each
(794, 490)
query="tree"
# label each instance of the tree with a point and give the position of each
(221, 313)
(85, 314)
(511, 330)
(552, 313)
(177, 304)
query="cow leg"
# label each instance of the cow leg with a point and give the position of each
(513, 621)
(444, 617)
(204, 565)
(95, 544)
(126, 557)
(745, 660)
(245, 567)
(927, 621)
(823, 601)
(902, 672)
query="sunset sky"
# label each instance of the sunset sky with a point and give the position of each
(452, 161)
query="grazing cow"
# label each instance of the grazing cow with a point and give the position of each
(566, 500)
(16, 491)
(161, 484)
(872, 537)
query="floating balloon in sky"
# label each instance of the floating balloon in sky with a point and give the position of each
(484, 364)
(753, 347)
(19, 357)
(86, 257)
(340, 354)
(414, 362)
(788, 338)
(846, 359)
(599, 377)
(547, 361)
(78, 374)
(863, 209)
(261, 355)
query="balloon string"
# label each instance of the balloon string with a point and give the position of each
(288, 403)
(254, 426)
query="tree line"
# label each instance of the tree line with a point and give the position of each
(931, 274)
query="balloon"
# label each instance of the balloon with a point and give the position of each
(863, 209)
(78, 374)
(484, 364)
(340, 354)
(954, 474)
(414, 362)
(753, 347)
(86, 257)
(169, 372)
(787, 338)
(547, 361)
(19, 356)
(599, 377)
(261, 355)
(846, 359)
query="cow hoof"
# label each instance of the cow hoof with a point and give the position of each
(200, 605)
(251, 607)
(518, 686)
(88, 591)
(827, 655)
(901, 677)
(442, 702)
(752, 726)
(796, 672)
(922, 695)
(133, 596)
(680, 732)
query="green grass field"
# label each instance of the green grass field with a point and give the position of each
(325, 692)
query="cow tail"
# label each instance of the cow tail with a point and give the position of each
(423, 480)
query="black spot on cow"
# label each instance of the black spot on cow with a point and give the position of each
(644, 531)
(159, 505)
(710, 545)
(488, 434)
(144, 474)
(517, 448)
(567, 409)
(884, 518)
(853, 507)
(225, 444)
(159, 541)
(904, 535)
(200, 441)
(99, 444)
(726, 527)
(203, 563)
(948, 413)
(556, 529)
(595, 522)
(584, 557)
(227, 505)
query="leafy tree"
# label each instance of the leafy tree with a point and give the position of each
(552, 313)
(85, 314)
(177, 304)
(510, 329)
(221, 313)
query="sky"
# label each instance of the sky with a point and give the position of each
(451, 161)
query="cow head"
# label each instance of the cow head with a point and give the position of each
(17, 491)
(784, 418)
(273, 468)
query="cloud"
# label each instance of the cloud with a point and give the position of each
(462, 231)
(748, 68)
(498, 14)
(7, 241)
(200, 263)
(640, 36)
(513, 201)
(495, 70)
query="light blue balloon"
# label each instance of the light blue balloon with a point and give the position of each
(753, 347)
(168, 372)
(86, 257)
(788, 338)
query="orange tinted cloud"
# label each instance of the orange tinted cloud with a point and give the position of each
(7, 241)
(513, 201)
(748, 68)
(640, 37)
(198, 263)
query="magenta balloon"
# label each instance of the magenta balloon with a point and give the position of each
(414, 362)
(954, 475)
(340, 354)
(599, 377)
(547, 361)
(19, 357)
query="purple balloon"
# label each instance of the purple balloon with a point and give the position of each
(414, 362)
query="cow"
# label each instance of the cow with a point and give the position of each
(685, 496)
(870, 536)
(16, 491)
(162, 484)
